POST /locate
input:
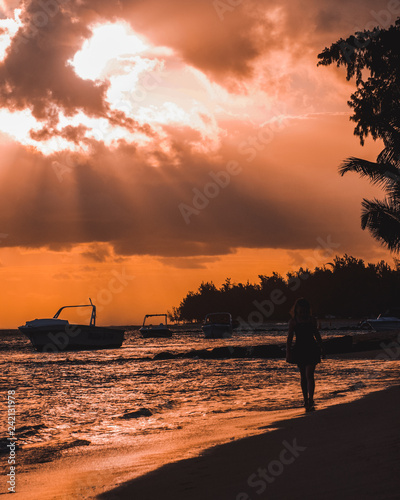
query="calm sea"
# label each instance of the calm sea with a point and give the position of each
(81, 399)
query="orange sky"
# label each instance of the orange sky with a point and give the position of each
(148, 146)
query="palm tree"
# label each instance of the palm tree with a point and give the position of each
(381, 217)
(372, 58)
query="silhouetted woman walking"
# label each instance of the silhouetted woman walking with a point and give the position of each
(307, 349)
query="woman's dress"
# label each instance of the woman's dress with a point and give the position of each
(306, 349)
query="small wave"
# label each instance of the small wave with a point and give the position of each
(28, 430)
(355, 387)
(37, 453)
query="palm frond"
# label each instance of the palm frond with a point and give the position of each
(382, 219)
(382, 174)
(390, 154)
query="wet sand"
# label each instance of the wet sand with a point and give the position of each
(89, 471)
(348, 451)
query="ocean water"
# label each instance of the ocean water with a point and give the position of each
(97, 398)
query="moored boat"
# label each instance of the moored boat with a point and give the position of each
(217, 325)
(383, 323)
(155, 331)
(55, 335)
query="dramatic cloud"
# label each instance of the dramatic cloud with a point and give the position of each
(196, 205)
(234, 133)
(227, 46)
(35, 73)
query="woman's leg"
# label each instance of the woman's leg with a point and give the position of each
(304, 382)
(309, 372)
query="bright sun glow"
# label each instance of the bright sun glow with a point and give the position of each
(17, 124)
(8, 28)
(152, 85)
(108, 42)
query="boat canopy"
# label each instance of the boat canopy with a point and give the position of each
(218, 317)
(152, 315)
(92, 316)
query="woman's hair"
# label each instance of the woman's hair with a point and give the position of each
(301, 303)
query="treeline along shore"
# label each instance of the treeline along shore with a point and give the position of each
(346, 287)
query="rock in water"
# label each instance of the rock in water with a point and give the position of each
(142, 412)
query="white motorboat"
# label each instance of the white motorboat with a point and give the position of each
(382, 323)
(390, 320)
(55, 335)
(217, 325)
(161, 330)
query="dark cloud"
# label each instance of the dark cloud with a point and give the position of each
(64, 276)
(36, 73)
(74, 134)
(188, 262)
(97, 252)
(220, 47)
(194, 206)
(227, 47)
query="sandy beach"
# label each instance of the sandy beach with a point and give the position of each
(348, 451)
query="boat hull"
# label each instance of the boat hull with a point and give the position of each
(383, 325)
(148, 333)
(73, 337)
(217, 331)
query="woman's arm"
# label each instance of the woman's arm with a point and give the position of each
(289, 339)
(318, 338)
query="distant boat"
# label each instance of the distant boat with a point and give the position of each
(160, 330)
(55, 335)
(390, 320)
(218, 325)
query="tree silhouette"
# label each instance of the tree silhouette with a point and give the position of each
(373, 58)
(344, 287)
